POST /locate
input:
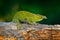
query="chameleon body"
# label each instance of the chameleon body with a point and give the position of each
(26, 16)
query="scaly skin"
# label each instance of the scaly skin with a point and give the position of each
(27, 17)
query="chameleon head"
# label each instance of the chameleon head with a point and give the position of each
(44, 17)
(38, 17)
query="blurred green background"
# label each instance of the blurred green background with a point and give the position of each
(49, 8)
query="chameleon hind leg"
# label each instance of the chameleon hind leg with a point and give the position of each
(18, 25)
(17, 22)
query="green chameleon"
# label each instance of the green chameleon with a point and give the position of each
(26, 16)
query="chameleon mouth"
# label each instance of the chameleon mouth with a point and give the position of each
(44, 17)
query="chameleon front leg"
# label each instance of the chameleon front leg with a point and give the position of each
(29, 21)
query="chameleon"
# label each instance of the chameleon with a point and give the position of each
(27, 17)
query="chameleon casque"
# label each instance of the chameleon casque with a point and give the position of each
(27, 17)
